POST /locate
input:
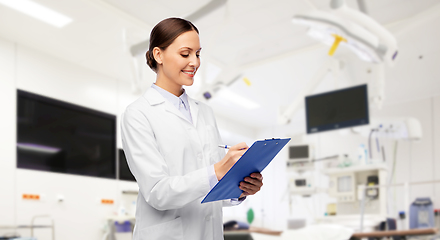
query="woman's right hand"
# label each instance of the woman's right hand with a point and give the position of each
(234, 153)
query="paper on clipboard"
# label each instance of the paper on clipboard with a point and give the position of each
(255, 159)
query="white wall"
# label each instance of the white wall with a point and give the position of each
(7, 136)
(80, 215)
(436, 148)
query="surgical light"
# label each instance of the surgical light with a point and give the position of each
(38, 11)
(347, 27)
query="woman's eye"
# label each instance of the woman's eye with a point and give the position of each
(183, 55)
(197, 55)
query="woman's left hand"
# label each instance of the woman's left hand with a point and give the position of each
(251, 184)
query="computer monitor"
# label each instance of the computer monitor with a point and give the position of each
(337, 109)
(61, 137)
(300, 153)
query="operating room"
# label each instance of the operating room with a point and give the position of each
(352, 88)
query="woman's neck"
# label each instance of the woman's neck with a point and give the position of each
(169, 86)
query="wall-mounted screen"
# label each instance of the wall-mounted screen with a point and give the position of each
(337, 109)
(299, 153)
(61, 137)
(124, 170)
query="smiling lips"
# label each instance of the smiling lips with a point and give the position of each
(189, 73)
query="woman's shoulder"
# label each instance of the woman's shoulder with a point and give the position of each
(140, 107)
(139, 104)
(148, 98)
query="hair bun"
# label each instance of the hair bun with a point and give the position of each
(151, 62)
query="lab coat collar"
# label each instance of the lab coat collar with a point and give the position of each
(154, 98)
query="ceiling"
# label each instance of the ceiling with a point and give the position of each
(244, 33)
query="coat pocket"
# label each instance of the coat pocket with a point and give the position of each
(171, 230)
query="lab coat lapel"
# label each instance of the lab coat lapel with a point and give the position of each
(194, 109)
(172, 109)
(154, 98)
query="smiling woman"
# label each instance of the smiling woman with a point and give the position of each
(164, 33)
(175, 49)
(171, 145)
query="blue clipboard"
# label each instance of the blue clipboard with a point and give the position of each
(255, 159)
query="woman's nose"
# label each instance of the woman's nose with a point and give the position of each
(194, 62)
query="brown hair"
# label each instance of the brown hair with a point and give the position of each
(164, 33)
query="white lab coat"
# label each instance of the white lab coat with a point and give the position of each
(168, 157)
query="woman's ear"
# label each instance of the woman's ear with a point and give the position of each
(157, 54)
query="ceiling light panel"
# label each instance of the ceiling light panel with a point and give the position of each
(38, 11)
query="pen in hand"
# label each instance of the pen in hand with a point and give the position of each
(228, 147)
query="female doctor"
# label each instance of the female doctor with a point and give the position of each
(171, 143)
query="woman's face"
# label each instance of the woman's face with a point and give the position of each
(180, 60)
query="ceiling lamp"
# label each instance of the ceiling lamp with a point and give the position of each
(38, 11)
(369, 40)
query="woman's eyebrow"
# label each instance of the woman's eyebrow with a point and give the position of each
(190, 48)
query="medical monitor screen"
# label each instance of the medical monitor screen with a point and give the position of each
(299, 152)
(61, 137)
(337, 109)
(124, 170)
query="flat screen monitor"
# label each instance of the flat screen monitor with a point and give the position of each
(299, 153)
(124, 170)
(337, 109)
(60, 137)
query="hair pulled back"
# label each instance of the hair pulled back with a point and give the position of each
(164, 34)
